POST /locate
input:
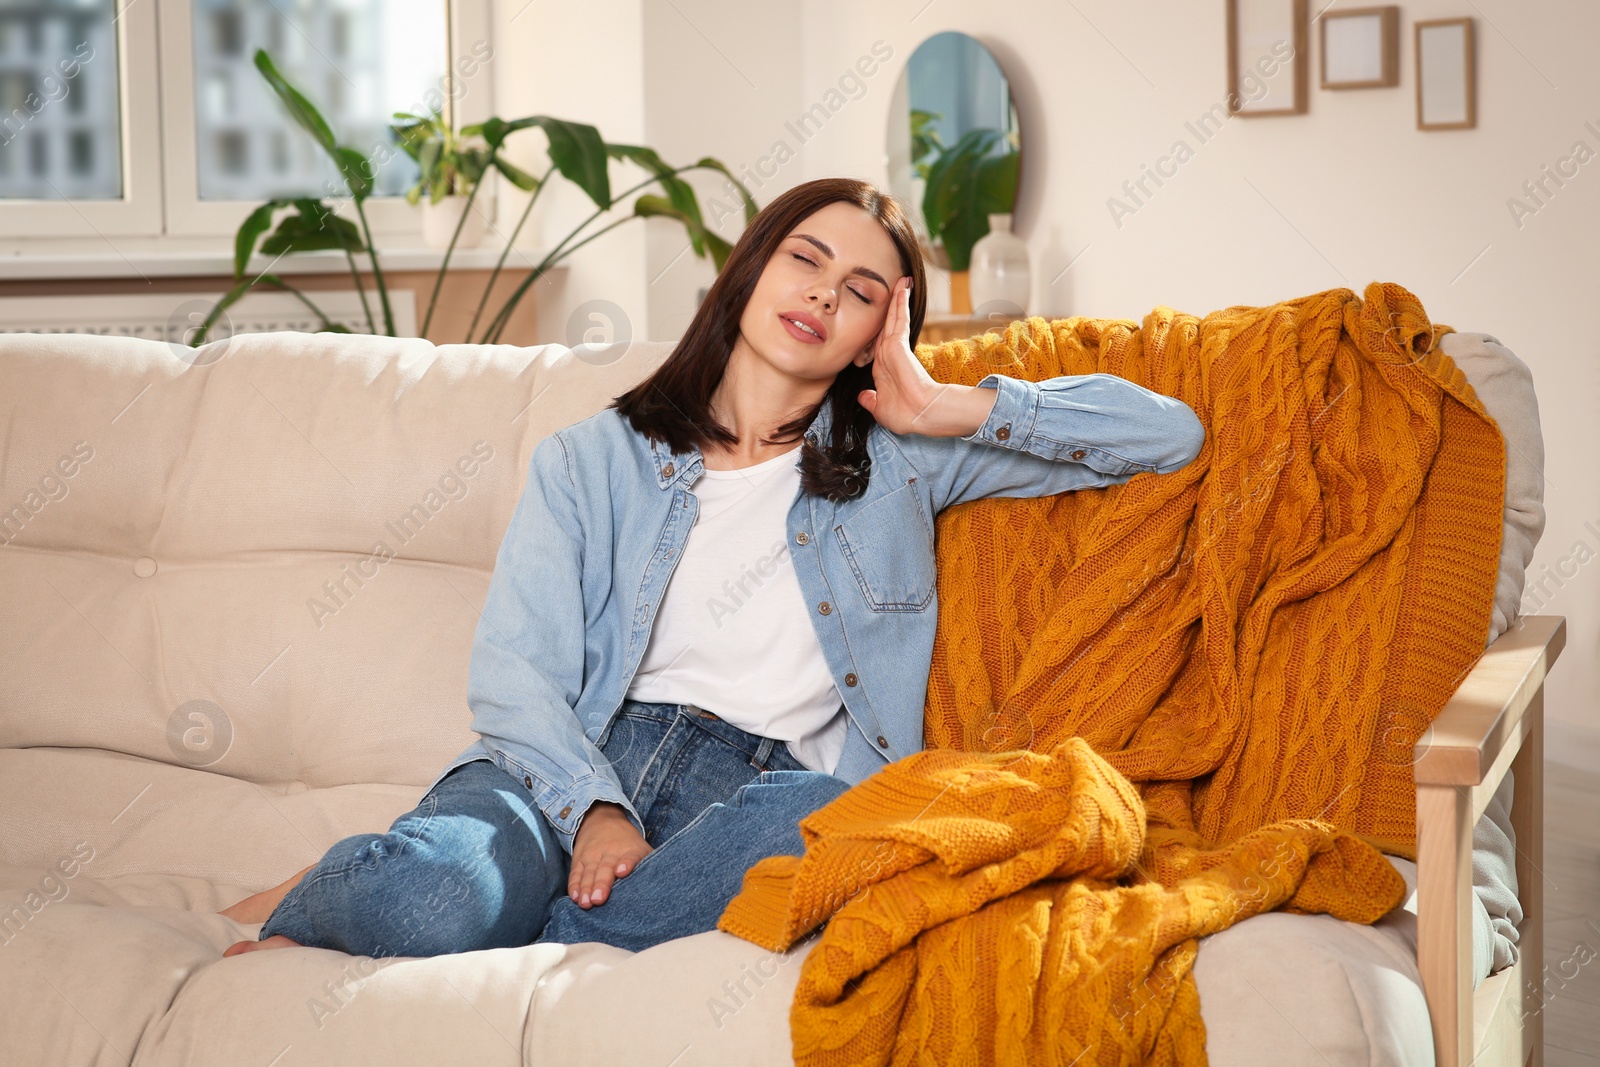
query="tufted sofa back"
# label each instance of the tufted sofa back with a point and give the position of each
(265, 558)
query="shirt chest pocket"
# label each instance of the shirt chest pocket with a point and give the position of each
(889, 547)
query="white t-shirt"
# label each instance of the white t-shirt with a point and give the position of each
(732, 634)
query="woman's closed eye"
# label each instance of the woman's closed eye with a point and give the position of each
(807, 259)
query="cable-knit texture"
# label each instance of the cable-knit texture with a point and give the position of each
(1158, 708)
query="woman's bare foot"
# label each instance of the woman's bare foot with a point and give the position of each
(257, 908)
(239, 948)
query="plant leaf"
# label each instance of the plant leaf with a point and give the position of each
(750, 209)
(229, 298)
(679, 192)
(328, 325)
(951, 185)
(311, 228)
(720, 250)
(494, 130)
(997, 184)
(413, 138)
(966, 185)
(428, 158)
(355, 170)
(518, 177)
(472, 162)
(576, 150)
(649, 206)
(300, 109)
(645, 157)
(250, 231)
(353, 166)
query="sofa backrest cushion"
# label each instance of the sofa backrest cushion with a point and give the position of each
(266, 562)
(1505, 385)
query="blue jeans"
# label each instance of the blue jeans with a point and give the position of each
(476, 865)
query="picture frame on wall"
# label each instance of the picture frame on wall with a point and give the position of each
(1360, 48)
(1447, 74)
(1268, 60)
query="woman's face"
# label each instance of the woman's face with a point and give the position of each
(834, 271)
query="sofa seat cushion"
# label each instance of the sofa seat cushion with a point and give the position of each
(110, 943)
(105, 972)
(1311, 991)
(215, 837)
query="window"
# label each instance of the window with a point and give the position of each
(226, 39)
(356, 88)
(151, 118)
(81, 144)
(51, 108)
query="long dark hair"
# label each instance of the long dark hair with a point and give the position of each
(673, 404)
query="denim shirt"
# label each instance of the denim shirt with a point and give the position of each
(605, 514)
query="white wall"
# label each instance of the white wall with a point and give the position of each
(582, 63)
(1268, 209)
(721, 78)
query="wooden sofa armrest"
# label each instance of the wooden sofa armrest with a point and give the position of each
(1493, 722)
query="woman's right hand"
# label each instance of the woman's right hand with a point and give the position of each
(607, 847)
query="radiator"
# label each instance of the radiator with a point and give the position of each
(174, 317)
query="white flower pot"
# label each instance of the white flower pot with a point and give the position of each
(439, 223)
(1001, 279)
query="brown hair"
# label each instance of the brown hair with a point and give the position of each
(673, 404)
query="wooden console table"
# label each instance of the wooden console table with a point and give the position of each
(937, 329)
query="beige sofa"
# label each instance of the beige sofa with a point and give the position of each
(240, 594)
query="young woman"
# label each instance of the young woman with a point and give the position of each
(713, 610)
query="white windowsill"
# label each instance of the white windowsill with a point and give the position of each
(33, 265)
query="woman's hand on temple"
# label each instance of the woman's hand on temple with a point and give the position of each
(607, 847)
(904, 397)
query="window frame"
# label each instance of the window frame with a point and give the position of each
(157, 105)
(138, 210)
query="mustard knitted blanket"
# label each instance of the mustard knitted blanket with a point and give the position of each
(1158, 708)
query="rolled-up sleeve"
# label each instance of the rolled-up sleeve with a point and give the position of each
(527, 665)
(1075, 431)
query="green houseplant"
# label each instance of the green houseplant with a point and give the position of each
(575, 150)
(925, 141)
(448, 167)
(966, 183)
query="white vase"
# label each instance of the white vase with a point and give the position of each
(439, 223)
(1001, 279)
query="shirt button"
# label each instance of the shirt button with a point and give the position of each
(825, 607)
(850, 679)
(802, 538)
(1078, 453)
(883, 742)
(1003, 433)
(527, 780)
(565, 812)
(666, 472)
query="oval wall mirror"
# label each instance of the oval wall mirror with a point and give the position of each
(954, 145)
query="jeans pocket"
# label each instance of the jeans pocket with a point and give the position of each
(629, 745)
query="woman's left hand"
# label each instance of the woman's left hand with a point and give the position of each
(905, 398)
